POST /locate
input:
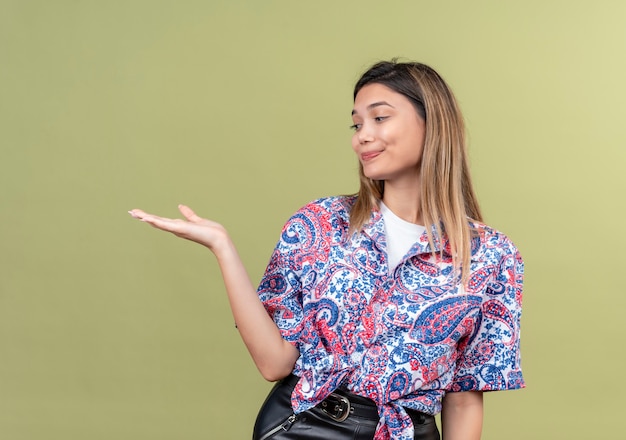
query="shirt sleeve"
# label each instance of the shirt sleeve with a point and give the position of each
(489, 359)
(280, 289)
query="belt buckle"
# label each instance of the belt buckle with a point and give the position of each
(339, 410)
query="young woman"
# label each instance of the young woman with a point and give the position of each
(379, 310)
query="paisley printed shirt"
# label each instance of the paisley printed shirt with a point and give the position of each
(402, 339)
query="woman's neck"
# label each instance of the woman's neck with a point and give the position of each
(404, 200)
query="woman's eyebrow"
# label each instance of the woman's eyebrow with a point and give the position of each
(375, 104)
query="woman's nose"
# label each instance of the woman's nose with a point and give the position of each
(365, 134)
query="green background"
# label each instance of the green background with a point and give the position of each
(112, 330)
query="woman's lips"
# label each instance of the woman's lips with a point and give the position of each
(369, 156)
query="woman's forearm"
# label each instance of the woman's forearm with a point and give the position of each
(273, 356)
(462, 416)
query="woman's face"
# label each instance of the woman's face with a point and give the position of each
(388, 134)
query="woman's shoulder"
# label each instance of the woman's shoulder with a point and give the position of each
(332, 206)
(324, 220)
(490, 240)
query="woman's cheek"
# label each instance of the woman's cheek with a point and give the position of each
(355, 142)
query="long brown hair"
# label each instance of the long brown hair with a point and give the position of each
(448, 201)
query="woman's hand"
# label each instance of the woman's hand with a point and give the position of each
(205, 232)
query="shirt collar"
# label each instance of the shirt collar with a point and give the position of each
(375, 230)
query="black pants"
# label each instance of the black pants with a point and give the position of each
(276, 420)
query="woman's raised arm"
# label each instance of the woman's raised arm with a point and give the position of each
(273, 356)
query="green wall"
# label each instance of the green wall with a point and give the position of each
(112, 330)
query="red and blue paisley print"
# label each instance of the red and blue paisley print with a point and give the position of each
(401, 339)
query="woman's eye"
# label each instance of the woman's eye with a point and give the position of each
(355, 127)
(380, 118)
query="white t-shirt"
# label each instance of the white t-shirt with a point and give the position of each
(401, 236)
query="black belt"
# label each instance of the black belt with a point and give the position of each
(341, 404)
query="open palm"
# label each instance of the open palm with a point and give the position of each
(200, 230)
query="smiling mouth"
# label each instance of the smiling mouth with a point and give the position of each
(369, 156)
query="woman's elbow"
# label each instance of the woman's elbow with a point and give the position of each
(275, 373)
(279, 364)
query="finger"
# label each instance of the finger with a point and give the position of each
(137, 213)
(189, 214)
(148, 218)
(165, 224)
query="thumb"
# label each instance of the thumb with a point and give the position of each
(188, 213)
